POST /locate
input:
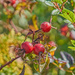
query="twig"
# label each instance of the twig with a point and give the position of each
(12, 24)
(63, 5)
(33, 35)
(39, 59)
(10, 61)
(32, 32)
(53, 27)
(57, 6)
(50, 19)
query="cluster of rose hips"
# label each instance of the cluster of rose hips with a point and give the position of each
(65, 30)
(38, 48)
(28, 47)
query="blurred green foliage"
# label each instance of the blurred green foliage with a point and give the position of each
(43, 10)
(7, 44)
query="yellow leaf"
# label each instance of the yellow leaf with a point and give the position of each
(22, 4)
(52, 51)
(72, 68)
(32, 27)
(34, 19)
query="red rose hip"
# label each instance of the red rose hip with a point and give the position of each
(13, 2)
(52, 43)
(27, 46)
(45, 26)
(38, 48)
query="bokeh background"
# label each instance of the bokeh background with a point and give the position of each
(41, 12)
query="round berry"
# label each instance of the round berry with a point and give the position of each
(52, 43)
(63, 33)
(27, 46)
(64, 28)
(38, 48)
(13, 2)
(45, 26)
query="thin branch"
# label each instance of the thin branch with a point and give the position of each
(31, 32)
(12, 24)
(10, 61)
(63, 5)
(50, 19)
(53, 27)
(57, 6)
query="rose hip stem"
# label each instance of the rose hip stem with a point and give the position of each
(32, 33)
(39, 58)
(10, 61)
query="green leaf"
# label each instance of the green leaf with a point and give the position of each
(41, 0)
(71, 26)
(49, 3)
(28, 14)
(42, 67)
(58, 1)
(73, 42)
(61, 72)
(3, 17)
(55, 12)
(71, 47)
(69, 15)
(23, 22)
(67, 21)
(53, 49)
(36, 66)
(66, 16)
(46, 57)
(64, 0)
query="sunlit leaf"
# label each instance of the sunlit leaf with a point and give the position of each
(46, 57)
(73, 42)
(72, 68)
(23, 22)
(67, 21)
(49, 3)
(36, 66)
(64, 0)
(22, 4)
(55, 12)
(34, 19)
(58, 1)
(52, 51)
(41, 0)
(71, 47)
(42, 67)
(46, 65)
(68, 15)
